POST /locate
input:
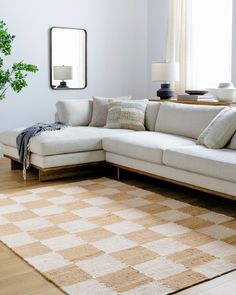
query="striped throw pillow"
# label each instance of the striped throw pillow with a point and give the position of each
(126, 115)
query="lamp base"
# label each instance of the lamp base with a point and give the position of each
(165, 92)
(62, 85)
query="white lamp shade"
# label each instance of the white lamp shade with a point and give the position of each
(62, 72)
(165, 71)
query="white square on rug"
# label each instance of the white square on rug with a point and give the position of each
(48, 211)
(33, 224)
(149, 289)
(48, 261)
(165, 246)
(88, 287)
(11, 209)
(131, 213)
(139, 193)
(173, 215)
(114, 244)
(160, 268)
(218, 249)
(123, 227)
(217, 231)
(62, 200)
(98, 201)
(215, 217)
(17, 240)
(72, 190)
(26, 198)
(107, 191)
(174, 204)
(77, 226)
(62, 242)
(101, 265)
(90, 212)
(212, 268)
(170, 229)
(136, 202)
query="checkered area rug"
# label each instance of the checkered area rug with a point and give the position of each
(105, 237)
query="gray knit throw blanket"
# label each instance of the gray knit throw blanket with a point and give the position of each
(22, 141)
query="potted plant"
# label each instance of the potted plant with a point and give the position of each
(14, 77)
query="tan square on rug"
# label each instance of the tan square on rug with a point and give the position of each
(106, 237)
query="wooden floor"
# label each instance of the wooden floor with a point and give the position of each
(18, 278)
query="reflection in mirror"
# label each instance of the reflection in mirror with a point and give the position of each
(68, 58)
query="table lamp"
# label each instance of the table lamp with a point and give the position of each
(165, 72)
(62, 73)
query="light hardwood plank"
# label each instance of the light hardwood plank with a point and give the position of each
(224, 285)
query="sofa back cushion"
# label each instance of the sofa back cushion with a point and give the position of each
(152, 110)
(185, 119)
(75, 112)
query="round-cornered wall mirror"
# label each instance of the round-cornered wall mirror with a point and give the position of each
(68, 58)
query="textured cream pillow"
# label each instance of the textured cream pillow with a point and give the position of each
(100, 110)
(218, 133)
(126, 115)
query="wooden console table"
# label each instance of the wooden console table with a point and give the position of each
(198, 102)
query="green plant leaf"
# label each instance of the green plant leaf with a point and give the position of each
(15, 77)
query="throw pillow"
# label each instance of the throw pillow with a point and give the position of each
(100, 110)
(218, 133)
(126, 115)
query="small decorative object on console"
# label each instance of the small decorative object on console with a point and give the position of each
(194, 97)
(196, 92)
(224, 92)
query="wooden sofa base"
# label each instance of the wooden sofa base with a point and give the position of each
(195, 187)
(75, 170)
(60, 172)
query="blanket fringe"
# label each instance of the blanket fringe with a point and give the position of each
(26, 163)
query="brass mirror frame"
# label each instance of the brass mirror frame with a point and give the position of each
(86, 56)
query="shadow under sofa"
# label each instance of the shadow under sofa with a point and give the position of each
(166, 150)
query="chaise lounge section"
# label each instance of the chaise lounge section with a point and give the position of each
(167, 150)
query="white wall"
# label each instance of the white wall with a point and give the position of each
(117, 50)
(157, 33)
(234, 45)
(124, 38)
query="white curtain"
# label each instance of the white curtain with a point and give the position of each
(180, 43)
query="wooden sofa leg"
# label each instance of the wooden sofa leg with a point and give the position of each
(118, 173)
(16, 165)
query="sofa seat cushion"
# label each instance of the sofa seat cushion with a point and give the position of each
(199, 159)
(146, 146)
(67, 140)
(9, 137)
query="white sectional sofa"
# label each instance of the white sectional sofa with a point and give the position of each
(166, 150)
